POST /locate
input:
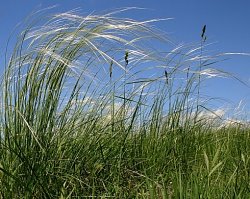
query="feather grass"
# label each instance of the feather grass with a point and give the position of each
(84, 116)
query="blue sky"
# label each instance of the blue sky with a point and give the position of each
(227, 27)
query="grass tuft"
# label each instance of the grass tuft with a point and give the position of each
(91, 108)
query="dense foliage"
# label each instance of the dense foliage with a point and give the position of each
(90, 108)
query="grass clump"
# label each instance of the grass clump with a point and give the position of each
(91, 109)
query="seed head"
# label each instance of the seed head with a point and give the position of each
(203, 31)
(110, 68)
(126, 57)
(166, 75)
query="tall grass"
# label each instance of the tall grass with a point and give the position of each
(90, 108)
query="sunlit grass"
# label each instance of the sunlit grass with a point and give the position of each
(90, 108)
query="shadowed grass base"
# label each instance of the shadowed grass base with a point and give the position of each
(149, 164)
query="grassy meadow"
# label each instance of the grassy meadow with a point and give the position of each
(99, 106)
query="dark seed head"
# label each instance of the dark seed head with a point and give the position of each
(203, 31)
(110, 68)
(166, 75)
(126, 57)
